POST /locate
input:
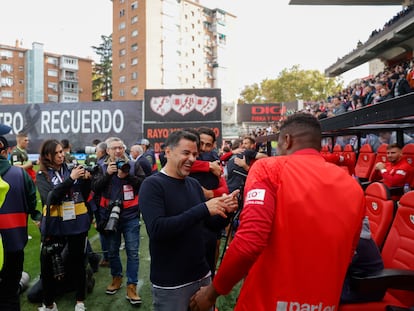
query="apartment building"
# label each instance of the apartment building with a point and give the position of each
(170, 44)
(30, 76)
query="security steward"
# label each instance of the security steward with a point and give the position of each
(17, 201)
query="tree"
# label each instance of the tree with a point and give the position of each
(292, 85)
(102, 72)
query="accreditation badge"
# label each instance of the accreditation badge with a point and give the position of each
(68, 210)
(128, 192)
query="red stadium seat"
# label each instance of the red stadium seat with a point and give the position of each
(380, 210)
(398, 256)
(408, 153)
(365, 162)
(381, 156)
(350, 158)
(325, 151)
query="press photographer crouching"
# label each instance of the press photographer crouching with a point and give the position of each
(66, 220)
(117, 182)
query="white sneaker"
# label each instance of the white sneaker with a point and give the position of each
(43, 308)
(80, 306)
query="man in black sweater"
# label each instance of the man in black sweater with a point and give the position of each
(175, 214)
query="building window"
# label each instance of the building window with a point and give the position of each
(121, 93)
(7, 94)
(6, 67)
(122, 13)
(122, 79)
(52, 98)
(134, 5)
(134, 90)
(21, 68)
(21, 81)
(134, 61)
(8, 81)
(122, 39)
(134, 19)
(5, 54)
(122, 66)
(52, 61)
(134, 33)
(121, 1)
(122, 52)
(121, 26)
(52, 86)
(21, 54)
(134, 47)
(134, 75)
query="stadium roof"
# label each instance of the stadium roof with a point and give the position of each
(346, 2)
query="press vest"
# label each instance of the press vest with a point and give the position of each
(52, 220)
(13, 211)
(115, 191)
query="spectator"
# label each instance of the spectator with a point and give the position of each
(117, 182)
(137, 155)
(284, 220)
(174, 210)
(400, 85)
(65, 220)
(149, 154)
(19, 156)
(239, 165)
(18, 200)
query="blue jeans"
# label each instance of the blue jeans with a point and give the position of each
(176, 299)
(130, 230)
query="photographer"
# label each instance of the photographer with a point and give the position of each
(117, 182)
(65, 221)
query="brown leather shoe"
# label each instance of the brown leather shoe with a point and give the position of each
(115, 285)
(132, 295)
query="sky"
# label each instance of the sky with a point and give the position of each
(271, 34)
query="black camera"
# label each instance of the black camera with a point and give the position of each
(54, 252)
(90, 168)
(113, 221)
(122, 165)
(72, 165)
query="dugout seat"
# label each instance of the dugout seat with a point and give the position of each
(381, 156)
(398, 255)
(380, 210)
(350, 158)
(325, 151)
(365, 162)
(408, 153)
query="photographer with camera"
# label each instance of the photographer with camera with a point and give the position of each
(17, 201)
(117, 182)
(65, 220)
(19, 156)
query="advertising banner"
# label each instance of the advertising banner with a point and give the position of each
(80, 123)
(178, 105)
(259, 112)
(157, 133)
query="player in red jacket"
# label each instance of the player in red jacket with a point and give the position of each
(298, 229)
